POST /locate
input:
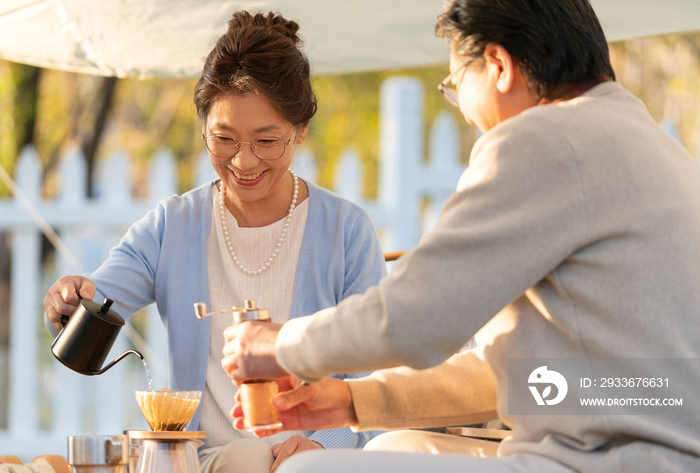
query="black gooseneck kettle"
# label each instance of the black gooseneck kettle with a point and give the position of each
(87, 337)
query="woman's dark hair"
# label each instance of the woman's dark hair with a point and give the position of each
(555, 42)
(260, 53)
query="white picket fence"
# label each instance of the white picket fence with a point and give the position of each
(48, 402)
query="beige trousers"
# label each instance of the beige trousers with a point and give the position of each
(240, 456)
(413, 451)
(419, 441)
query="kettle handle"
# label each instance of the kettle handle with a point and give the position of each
(65, 318)
(119, 358)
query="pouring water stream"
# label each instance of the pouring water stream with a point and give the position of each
(148, 373)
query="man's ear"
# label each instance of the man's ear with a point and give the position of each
(502, 65)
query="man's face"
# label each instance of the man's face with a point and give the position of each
(476, 100)
(490, 89)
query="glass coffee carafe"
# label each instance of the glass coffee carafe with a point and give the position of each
(168, 451)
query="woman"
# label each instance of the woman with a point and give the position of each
(257, 233)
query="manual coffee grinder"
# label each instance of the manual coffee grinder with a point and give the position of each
(258, 412)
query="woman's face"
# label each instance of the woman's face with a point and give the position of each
(247, 118)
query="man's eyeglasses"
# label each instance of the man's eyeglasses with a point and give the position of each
(226, 147)
(449, 92)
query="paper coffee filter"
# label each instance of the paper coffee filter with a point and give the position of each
(168, 410)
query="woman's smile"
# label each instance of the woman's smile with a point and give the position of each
(248, 179)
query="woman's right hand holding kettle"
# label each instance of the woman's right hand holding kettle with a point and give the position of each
(63, 298)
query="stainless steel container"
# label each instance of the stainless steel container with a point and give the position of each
(98, 453)
(134, 451)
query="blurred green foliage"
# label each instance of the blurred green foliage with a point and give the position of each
(155, 113)
(663, 72)
(150, 114)
(7, 151)
(18, 101)
(348, 116)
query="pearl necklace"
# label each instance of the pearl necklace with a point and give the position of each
(276, 251)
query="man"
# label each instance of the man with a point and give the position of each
(573, 234)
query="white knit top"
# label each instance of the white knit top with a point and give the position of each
(229, 287)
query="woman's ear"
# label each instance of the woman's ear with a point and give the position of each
(303, 131)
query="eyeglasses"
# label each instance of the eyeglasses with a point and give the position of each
(226, 147)
(450, 93)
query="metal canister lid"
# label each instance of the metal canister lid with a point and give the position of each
(86, 450)
(250, 312)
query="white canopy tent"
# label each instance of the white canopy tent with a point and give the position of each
(169, 38)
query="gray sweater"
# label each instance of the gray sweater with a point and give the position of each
(574, 233)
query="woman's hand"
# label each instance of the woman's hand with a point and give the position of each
(64, 297)
(323, 405)
(249, 352)
(293, 445)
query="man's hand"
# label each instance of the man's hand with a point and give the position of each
(323, 405)
(293, 445)
(64, 297)
(249, 352)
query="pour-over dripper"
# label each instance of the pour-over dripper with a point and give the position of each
(168, 410)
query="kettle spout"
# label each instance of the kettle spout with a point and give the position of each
(117, 359)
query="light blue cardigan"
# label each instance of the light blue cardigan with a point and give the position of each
(163, 259)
